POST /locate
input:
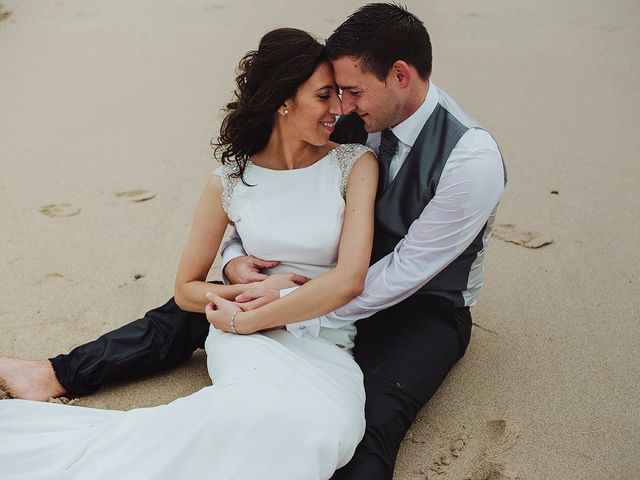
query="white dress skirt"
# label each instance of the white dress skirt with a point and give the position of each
(282, 406)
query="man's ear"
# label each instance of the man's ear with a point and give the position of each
(401, 73)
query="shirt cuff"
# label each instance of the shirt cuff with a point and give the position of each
(286, 291)
(228, 254)
(311, 326)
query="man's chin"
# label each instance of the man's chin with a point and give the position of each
(369, 126)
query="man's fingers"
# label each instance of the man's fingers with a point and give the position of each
(252, 305)
(259, 263)
(299, 279)
(255, 276)
(249, 295)
(216, 300)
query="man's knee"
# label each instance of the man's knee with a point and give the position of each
(390, 414)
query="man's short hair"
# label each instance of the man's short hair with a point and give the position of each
(381, 34)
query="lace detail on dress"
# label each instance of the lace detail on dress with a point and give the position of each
(228, 184)
(346, 155)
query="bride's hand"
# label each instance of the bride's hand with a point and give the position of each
(280, 281)
(220, 312)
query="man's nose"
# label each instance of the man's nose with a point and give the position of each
(335, 107)
(348, 105)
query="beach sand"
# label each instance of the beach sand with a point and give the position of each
(106, 114)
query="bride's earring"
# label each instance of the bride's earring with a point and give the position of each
(286, 110)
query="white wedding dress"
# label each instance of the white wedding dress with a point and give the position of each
(280, 407)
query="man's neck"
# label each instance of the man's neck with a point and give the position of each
(415, 99)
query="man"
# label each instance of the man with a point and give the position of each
(441, 178)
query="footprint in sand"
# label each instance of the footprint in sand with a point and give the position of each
(473, 455)
(494, 439)
(137, 195)
(4, 13)
(59, 210)
(492, 471)
(52, 277)
(508, 232)
(612, 28)
(215, 6)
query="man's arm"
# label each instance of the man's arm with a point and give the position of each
(232, 248)
(469, 190)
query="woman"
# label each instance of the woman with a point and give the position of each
(280, 407)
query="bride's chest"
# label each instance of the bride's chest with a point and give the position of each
(300, 215)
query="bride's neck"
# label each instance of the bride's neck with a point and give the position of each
(283, 152)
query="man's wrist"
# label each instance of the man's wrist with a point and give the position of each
(230, 253)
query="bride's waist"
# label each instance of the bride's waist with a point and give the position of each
(306, 270)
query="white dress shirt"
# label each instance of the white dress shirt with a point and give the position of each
(470, 187)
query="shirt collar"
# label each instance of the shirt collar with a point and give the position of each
(408, 130)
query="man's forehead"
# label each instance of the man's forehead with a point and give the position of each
(348, 72)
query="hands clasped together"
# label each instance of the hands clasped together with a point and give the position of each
(261, 289)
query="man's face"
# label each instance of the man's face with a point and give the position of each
(378, 103)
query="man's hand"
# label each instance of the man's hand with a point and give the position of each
(256, 298)
(246, 269)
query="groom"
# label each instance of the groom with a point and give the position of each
(441, 178)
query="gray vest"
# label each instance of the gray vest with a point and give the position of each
(411, 190)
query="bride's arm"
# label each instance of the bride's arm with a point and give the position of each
(207, 230)
(334, 288)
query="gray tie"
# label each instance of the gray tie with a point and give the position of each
(388, 148)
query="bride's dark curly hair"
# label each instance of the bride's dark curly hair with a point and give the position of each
(267, 77)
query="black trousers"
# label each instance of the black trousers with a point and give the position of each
(405, 353)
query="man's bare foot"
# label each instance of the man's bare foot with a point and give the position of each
(29, 379)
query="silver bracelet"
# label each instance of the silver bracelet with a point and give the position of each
(233, 321)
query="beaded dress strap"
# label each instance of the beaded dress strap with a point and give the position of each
(346, 155)
(228, 184)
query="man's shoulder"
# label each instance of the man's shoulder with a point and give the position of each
(478, 139)
(477, 158)
(447, 102)
(476, 136)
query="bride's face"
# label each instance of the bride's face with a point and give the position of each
(313, 111)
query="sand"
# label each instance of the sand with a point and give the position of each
(106, 113)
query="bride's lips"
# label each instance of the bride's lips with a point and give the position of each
(330, 126)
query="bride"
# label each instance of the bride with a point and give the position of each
(280, 407)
